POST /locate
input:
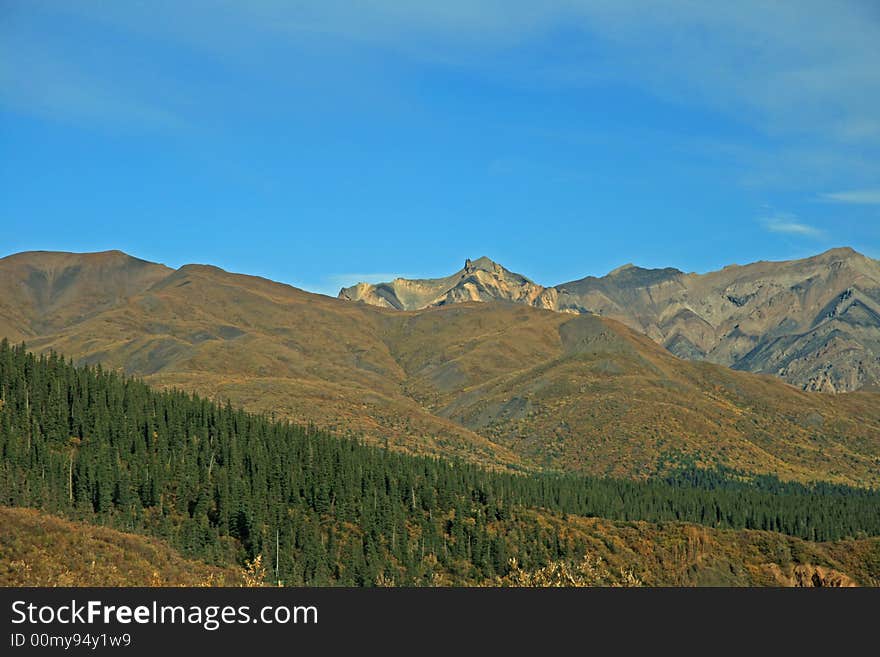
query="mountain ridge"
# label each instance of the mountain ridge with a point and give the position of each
(503, 384)
(814, 322)
(44, 290)
(478, 280)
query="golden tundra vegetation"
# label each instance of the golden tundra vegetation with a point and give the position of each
(37, 549)
(501, 384)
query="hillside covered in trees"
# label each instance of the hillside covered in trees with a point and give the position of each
(223, 486)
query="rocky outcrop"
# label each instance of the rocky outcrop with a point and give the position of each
(478, 280)
(814, 322)
(809, 576)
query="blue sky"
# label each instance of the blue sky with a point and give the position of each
(328, 142)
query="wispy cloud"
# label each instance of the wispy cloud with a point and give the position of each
(750, 58)
(803, 73)
(753, 58)
(856, 196)
(36, 80)
(789, 224)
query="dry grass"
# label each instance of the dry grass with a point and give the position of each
(589, 571)
(682, 554)
(37, 549)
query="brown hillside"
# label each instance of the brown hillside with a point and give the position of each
(680, 554)
(499, 383)
(587, 393)
(273, 348)
(37, 549)
(44, 291)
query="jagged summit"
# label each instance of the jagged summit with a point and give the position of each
(482, 279)
(483, 263)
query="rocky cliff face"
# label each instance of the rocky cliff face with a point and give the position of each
(814, 322)
(809, 576)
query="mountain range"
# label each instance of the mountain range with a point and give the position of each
(510, 385)
(813, 322)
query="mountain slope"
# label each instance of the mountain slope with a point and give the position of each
(44, 291)
(589, 394)
(272, 348)
(681, 554)
(38, 549)
(507, 385)
(813, 322)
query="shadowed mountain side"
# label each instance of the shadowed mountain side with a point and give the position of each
(502, 384)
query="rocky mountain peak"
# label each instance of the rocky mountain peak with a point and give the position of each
(841, 252)
(482, 263)
(621, 269)
(481, 279)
